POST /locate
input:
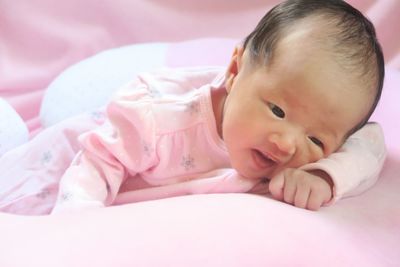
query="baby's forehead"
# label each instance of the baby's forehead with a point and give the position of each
(313, 32)
(303, 45)
(320, 34)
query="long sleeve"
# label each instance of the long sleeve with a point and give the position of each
(122, 147)
(225, 180)
(355, 167)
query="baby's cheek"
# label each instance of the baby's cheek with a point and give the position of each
(316, 155)
(306, 157)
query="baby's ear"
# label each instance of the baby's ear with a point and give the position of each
(234, 66)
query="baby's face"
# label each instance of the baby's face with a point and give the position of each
(293, 112)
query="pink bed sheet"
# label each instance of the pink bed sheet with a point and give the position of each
(230, 230)
(40, 38)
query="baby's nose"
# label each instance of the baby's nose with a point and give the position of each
(285, 143)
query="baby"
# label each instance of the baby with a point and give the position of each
(304, 80)
(288, 115)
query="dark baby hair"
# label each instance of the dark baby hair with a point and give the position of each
(355, 44)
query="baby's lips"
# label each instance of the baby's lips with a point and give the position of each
(270, 156)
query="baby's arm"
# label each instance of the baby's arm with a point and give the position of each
(91, 181)
(349, 171)
(123, 146)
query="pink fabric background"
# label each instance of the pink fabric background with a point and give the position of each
(40, 38)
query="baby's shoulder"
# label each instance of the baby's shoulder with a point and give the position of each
(181, 97)
(178, 100)
(178, 81)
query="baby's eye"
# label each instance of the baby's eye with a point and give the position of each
(316, 141)
(276, 110)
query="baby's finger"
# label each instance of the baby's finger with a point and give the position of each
(289, 191)
(302, 196)
(276, 185)
(315, 201)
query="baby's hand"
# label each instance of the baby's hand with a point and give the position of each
(303, 189)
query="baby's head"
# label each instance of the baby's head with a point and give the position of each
(335, 27)
(306, 78)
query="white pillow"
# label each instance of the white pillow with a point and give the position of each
(13, 131)
(89, 84)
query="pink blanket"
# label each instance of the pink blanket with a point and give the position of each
(40, 38)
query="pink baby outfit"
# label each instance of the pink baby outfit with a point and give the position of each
(162, 128)
(159, 140)
(161, 137)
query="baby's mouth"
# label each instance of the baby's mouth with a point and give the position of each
(263, 160)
